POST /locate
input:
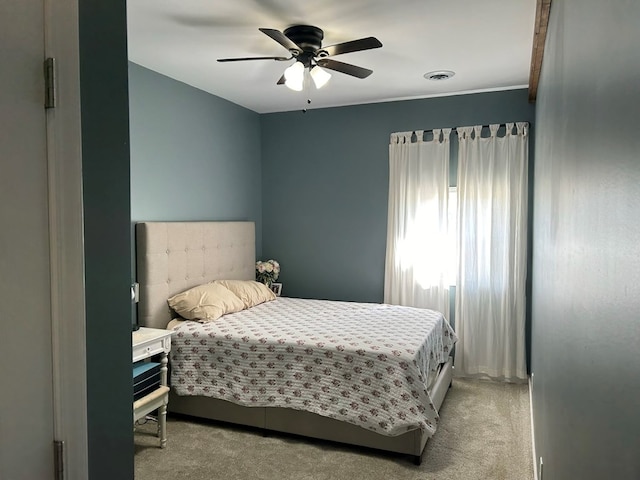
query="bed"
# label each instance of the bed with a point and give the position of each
(309, 367)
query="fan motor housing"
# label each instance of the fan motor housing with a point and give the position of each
(307, 37)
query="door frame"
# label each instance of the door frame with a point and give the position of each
(64, 161)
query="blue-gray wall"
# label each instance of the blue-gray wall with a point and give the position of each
(194, 156)
(586, 266)
(316, 183)
(325, 186)
(105, 178)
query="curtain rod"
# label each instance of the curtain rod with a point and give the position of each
(455, 129)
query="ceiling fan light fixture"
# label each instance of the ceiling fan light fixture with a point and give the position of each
(294, 76)
(304, 43)
(320, 76)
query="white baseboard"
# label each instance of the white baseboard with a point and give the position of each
(533, 437)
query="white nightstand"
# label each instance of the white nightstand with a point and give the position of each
(148, 342)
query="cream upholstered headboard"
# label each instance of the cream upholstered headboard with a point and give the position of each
(174, 256)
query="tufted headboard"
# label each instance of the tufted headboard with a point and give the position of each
(174, 256)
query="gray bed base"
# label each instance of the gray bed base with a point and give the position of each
(310, 424)
(175, 256)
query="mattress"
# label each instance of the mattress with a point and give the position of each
(366, 364)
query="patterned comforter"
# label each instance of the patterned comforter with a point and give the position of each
(366, 364)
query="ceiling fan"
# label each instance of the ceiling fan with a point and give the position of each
(304, 43)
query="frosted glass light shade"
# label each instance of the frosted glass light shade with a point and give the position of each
(320, 76)
(294, 76)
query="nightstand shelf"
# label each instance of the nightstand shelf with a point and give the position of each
(146, 343)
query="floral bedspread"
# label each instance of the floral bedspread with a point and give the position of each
(366, 364)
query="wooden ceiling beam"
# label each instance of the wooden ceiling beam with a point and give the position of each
(543, 8)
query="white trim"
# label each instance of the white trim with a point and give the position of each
(66, 239)
(533, 437)
(395, 99)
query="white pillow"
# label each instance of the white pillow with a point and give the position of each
(209, 302)
(251, 293)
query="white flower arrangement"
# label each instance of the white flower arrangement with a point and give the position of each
(267, 272)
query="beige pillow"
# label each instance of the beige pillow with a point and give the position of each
(205, 302)
(251, 293)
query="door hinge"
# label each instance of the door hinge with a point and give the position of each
(58, 459)
(50, 83)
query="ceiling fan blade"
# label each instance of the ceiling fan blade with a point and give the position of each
(281, 38)
(341, 67)
(242, 59)
(353, 46)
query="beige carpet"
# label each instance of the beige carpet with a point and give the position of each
(484, 433)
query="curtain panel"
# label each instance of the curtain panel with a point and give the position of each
(415, 267)
(492, 245)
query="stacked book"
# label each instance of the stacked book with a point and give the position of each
(146, 378)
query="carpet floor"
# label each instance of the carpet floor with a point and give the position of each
(484, 433)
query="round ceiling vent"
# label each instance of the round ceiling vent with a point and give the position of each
(439, 75)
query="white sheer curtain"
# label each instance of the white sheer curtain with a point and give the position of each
(492, 242)
(415, 267)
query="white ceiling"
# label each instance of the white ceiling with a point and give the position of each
(487, 43)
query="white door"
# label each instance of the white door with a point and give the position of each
(42, 327)
(26, 386)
